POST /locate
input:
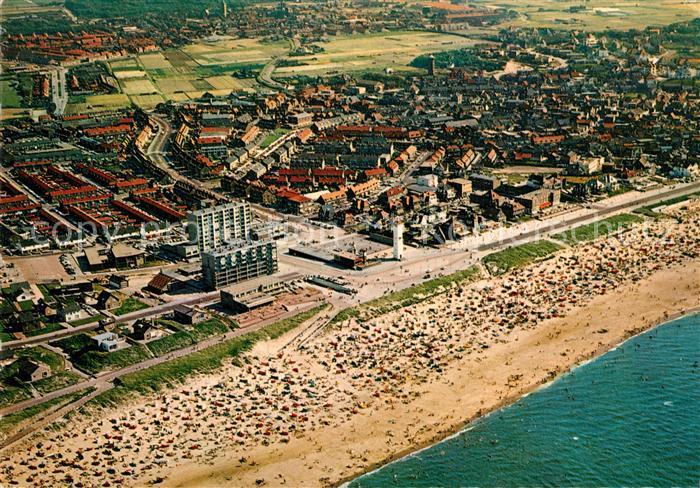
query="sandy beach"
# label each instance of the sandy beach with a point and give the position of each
(370, 391)
(467, 390)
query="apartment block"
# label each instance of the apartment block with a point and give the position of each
(238, 262)
(215, 227)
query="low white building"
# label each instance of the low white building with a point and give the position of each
(109, 341)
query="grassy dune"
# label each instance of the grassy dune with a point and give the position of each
(171, 373)
(406, 297)
(518, 256)
(598, 229)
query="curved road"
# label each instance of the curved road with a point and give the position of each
(156, 151)
(265, 75)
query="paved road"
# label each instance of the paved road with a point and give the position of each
(265, 75)
(316, 325)
(48, 419)
(599, 214)
(59, 90)
(156, 151)
(167, 307)
(50, 396)
(407, 174)
(51, 336)
(425, 263)
(157, 146)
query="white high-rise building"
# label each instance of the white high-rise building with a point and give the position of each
(215, 227)
(397, 229)
(242, 260)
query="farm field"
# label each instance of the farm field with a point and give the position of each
(147, 101)
(230, 51)
(373, 52)
(16, 7)
(599, 14)
(97, 103)
(214, 66)
(209, 66)
(138, 87)
(124, 64)
(188, 72)
(154, 61)
(124, 74)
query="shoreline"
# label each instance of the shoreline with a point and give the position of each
(647, 304)
(374, 391)
(344, 483)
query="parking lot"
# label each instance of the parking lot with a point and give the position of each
(40, 268)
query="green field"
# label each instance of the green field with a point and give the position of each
(9, 395)
(49, 358)
(648, 210)
(8, 95)
(598, 229)
(372, 53)
(515, 257)
(129, 305)
(272, 137)
(169, 343)
(94, 361)
(98, 103)
(185, 337)
(57, 381)
(73, 345)
(208, 328)
(50, 327)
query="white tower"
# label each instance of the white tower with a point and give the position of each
(397, 228)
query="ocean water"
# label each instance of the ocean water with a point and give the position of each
(628, 418)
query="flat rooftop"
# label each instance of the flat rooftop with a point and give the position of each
(261, 283)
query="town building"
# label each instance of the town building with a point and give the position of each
(240, 261)
(109, 341)
(30, 371)
(215, 227)
(188, 315)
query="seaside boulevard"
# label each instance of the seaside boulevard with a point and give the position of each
(390, 382)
